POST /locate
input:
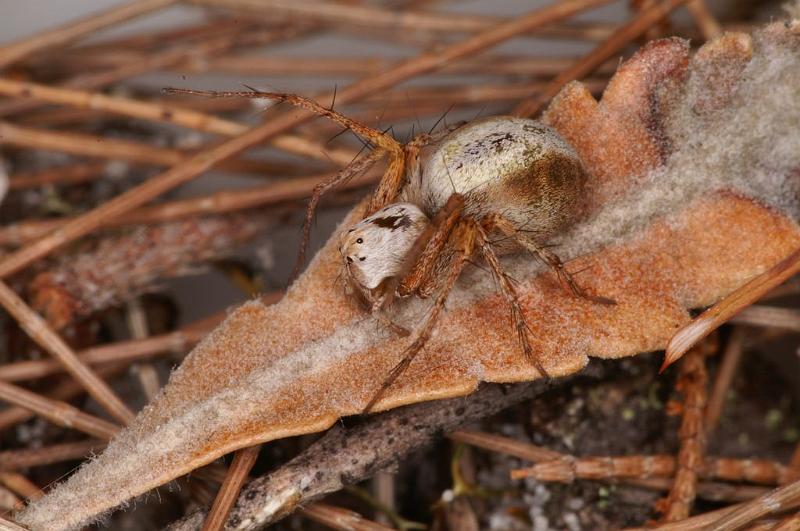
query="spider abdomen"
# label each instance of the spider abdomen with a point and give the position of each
(515, 167)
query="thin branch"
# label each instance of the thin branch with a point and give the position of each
(696, 523)
(408, 21)
(67, 389)
(586, 65)
(731, 358)
(707, 490)
(70, 174)
(139, 328)
(692, 383)
(72, 31)
(123, 351)
(163, 113)
(711, 319)
(344, 457)
(59, 413)
(21, 485)
(505, 445)
(8, 525)
(88, 145)
(775, 501)
(339, 518)
(38, 329)
(243, 461)
(222, 202)
(117, 268)
(217, 44)
(86, 223)
(360, 66)
(470, 93)
(769, 317)
(361, 15)
(138, 153)
(147, 41)
(790, 523)
(567, 469)
(122, 106)
(46, 455)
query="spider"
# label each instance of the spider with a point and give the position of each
(491, 186)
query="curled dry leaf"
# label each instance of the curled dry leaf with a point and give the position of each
(695, 190)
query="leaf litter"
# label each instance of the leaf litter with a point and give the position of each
(694, 165)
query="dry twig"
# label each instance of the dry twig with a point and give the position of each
(711, 319)
(243, 461)
(170, 114)
(11, 53)
(118, 268)
(567, 469)
(64, 390)
(59, 413)
(599, 55)
(692, 383)
(38, 329)
(341, 519)
(345, 457)
(17, 459)
(773, 502)
(722, 384)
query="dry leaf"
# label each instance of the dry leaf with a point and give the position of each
(696, 190)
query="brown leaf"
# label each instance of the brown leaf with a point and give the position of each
(679, 219)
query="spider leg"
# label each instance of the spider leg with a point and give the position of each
(552, 260)
(375, 136)
(390, 184)
(422, 258)
(359, 166)
(420, 277)
(464, 236)
(511, 296)
(547, 256)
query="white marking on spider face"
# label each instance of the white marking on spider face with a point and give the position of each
(375, 248)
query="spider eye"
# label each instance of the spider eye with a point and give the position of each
(360, 240)
(362, 258)
(349, 260)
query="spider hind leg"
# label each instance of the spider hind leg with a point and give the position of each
(565, 278)
(511, 296)
(548, 257)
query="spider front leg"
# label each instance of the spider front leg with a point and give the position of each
(389, 187)
(358, 167)
(463, 238)
(419, 274)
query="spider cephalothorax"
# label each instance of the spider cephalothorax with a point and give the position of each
(492, 185)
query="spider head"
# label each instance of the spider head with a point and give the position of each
(375, 248)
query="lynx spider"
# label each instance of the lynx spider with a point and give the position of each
(452, 186)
